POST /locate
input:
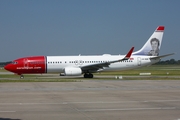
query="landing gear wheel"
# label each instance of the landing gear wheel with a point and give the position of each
(88, 75)
(22, 76)
(85, 75)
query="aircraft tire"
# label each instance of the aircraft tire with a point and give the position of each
(88, 75)
(22, 76)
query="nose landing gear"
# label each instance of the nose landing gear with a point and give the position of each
(22, 76)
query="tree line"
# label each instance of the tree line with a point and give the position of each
(2, 64)
(169, 62)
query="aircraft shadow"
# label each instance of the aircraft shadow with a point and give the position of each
(8, 119)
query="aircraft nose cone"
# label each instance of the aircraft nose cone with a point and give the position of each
(8, 67)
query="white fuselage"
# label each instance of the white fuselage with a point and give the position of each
(58, 63)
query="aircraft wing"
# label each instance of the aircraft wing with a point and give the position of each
(98, 66)
(162, 56)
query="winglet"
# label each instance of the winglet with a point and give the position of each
(128, 55)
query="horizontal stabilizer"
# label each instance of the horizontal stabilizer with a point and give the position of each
(162, 56)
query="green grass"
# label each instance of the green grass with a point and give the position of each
(158, 72)
(2, 69)
(165, 70)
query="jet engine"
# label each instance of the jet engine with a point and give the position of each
(72, 71)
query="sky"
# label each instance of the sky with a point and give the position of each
(86, 27)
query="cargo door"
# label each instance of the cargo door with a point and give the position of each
(139, 61)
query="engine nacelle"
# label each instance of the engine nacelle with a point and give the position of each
(72, 71)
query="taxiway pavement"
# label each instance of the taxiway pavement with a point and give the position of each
(91, 100)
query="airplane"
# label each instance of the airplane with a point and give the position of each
(87, 65)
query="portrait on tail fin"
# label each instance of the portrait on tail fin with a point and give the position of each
(155, 47)
(153, 44)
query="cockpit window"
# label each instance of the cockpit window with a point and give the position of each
(14, 62)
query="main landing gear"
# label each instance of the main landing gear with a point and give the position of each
(88, 75)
